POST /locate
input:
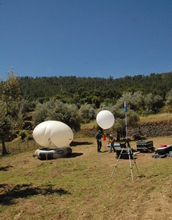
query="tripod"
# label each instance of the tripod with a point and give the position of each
(126, 148)
(130, 156)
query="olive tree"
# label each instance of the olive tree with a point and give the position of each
(87, 112)
(135, 101)
(133, 104)
(152, 103)
(56, 110)
(120, 120)
(169, 98)
(9, 96)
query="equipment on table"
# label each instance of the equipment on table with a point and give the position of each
(145, 146)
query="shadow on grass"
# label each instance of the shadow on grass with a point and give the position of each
(74, 155)
(76, 143)
(8, 193)
(105, 151)
(142, 176)
(6, 168)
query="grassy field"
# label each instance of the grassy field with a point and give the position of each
(81, 187)
(156, 118)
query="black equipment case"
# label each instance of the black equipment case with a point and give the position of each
(145, 146)
(124, 154)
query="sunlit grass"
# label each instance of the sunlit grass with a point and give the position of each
(73, 187)
(143, 119)
(156, 118)
(89, 125)
(81, 187)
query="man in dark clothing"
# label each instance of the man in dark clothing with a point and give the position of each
(99, 141)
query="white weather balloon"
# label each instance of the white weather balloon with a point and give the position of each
(53, 134)
(41, 135)
(63, 135)
(105, 119)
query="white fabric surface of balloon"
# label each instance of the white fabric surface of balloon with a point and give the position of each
(42, 136)
(105, 119)
(64, 134)
(53, 134)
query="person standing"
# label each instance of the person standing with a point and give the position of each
(99, 141)
(111, 141)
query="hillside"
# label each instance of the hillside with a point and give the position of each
(83, 89)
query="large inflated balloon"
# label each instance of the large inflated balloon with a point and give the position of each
(105, 119)
(62, 135)
(42, 136)
(53, 134)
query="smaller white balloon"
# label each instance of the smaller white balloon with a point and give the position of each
(105, 119)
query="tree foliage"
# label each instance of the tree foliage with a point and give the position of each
(169, 98)
(9, 117)
(56, 110)
(95, 90)
(120, 117)
(87, 113)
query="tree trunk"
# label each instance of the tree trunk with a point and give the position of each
(4, 150)
(118, 136)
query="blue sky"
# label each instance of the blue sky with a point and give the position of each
(85, 38)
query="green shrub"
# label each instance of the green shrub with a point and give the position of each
(22, 134)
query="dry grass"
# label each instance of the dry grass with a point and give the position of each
(89, 125)
(156, 118)
(143, 119)
(80, 187)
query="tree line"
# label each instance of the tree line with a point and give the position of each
(80, 90)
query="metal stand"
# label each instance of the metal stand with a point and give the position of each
(129, 151)
(127, 148)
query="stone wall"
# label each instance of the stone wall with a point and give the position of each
(152, 129)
